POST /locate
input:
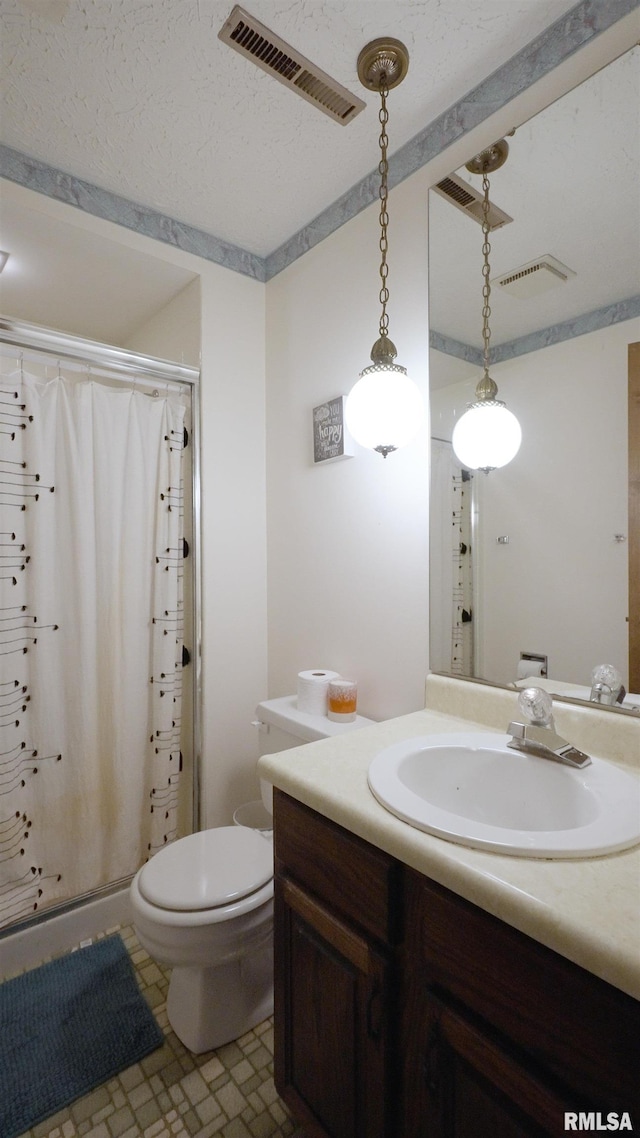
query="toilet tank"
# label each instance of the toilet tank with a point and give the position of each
(281, 726)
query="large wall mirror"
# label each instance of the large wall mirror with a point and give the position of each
(533, 560)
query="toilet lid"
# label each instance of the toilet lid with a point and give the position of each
(207, 870)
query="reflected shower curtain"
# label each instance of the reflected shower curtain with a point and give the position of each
(91, 627)
(450, 590)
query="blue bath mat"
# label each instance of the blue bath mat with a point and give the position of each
(67, 1027)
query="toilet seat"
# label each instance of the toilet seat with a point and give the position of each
(208, 870)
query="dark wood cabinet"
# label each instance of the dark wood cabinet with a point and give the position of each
(335, 967)
(503, 1018)
(462, 1082)
(336, 998)
(403, 1011)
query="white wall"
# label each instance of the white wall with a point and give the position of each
(234, 577)
(221, 317)
(227, 330)
(173, 333)
(348, 541)
(560, 586)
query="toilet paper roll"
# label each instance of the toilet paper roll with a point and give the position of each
(528, 668)
(313, 690)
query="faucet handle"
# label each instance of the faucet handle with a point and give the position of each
(607, 676)
(536, 706)
(540, 737)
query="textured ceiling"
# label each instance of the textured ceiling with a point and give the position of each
(141, 98)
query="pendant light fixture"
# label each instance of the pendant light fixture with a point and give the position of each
(384, 410)
(488, 435)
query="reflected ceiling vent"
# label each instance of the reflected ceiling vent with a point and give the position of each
(534, 278)
(466, 198)
(251, 38)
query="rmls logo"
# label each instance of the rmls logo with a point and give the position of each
(594, 1120)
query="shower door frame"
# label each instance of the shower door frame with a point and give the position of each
(44, 345)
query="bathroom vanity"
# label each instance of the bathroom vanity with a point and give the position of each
(428, 989)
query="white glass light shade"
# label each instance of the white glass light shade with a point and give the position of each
(384, 409)
(487, 436)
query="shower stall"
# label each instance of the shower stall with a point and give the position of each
(99, 624)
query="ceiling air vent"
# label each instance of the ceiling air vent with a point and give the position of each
(466, 198)
(251, 38)
(535, 277)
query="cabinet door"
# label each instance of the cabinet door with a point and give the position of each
(330, 1019)
(464, 1083)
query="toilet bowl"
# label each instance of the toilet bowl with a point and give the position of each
(204, 906)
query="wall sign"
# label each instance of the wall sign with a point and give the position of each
(331, 440)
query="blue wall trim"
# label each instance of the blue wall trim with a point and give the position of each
(604, 317)
(455, 348)
(92, 199)
(568, 329)
(558, 42)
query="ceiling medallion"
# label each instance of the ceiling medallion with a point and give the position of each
(383, 57)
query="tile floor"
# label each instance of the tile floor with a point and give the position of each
(174, 1094)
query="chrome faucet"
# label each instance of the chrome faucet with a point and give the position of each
(539, 736)
(606, 685)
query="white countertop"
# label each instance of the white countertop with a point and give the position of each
(588, 910)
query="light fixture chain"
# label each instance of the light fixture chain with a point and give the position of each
(383, 169)
(486, 286)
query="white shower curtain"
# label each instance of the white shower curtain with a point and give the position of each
(91, 629)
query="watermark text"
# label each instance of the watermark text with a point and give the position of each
(595, 1120)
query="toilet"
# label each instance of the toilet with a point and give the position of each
(204, 905)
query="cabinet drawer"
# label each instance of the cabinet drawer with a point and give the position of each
(357, 880)
(581, 1029)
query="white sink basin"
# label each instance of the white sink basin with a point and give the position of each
(474, 790)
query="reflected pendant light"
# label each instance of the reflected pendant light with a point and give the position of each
(488, 435)
(384, 410)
